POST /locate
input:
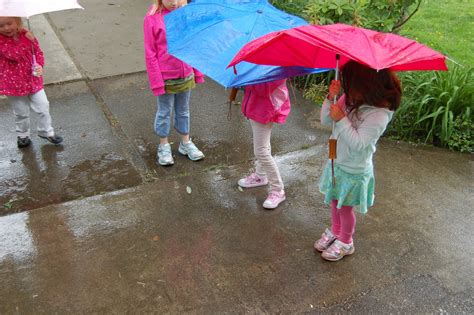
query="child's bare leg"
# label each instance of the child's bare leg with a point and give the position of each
(185, 138)
(164, 140)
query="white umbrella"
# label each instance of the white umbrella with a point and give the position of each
(28, 8)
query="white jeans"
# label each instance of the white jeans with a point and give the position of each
(265, 164)
(40, 105)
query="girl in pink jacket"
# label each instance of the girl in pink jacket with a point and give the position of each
(171, 81)
(22, 82)
(265, 104)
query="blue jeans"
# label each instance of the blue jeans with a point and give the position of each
(165, 105)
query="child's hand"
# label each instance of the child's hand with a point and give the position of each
(38, 71)
(336, 112)
(30, 35)
(334, 89)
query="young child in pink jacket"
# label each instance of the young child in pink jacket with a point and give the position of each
(22, 82)
(171, 81)
(265, 104)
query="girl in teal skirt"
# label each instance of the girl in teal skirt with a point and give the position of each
(361, 115)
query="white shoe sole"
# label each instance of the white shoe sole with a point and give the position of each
(242, 184)
(337, 259)
(165, 163)
(192, 159)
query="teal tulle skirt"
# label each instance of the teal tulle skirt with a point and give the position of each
(350, 189)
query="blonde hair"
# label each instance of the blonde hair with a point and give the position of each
(19, 22)
(158, 6)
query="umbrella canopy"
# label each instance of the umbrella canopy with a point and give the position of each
(207, 34)
(28, 8)
(316, 46)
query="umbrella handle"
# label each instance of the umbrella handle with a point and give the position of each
(233, 94)
(332, 149)
(337, 73)
(337, 78)
(32, 46)
(333, 142)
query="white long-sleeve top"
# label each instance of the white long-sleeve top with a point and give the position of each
(357, 135)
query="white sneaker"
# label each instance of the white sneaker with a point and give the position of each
(190, 149)
(164, 155)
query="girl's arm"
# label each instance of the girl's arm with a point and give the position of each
(369, 130)
(155, 77)
(325, 118)
(198, 76)
(38, 53)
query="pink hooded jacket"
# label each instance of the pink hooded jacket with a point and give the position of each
(16, 61)
(160, 65)
(267, 102)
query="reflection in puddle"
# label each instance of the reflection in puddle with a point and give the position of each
(48, 180)
(16, 242)
(84, 220)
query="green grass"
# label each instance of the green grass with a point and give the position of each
(446, 26)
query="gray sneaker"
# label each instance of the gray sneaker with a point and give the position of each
(191, 151)
(164, 154)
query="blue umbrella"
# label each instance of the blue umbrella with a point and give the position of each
(207, 34)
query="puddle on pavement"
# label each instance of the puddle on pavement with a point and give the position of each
(50, 180)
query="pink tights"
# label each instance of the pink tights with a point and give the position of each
(343, 222)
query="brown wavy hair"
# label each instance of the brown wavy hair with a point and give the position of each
(364, 85)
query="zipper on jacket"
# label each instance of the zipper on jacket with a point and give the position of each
(245, 105)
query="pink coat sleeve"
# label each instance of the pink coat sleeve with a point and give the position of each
(38, 53)
(157, 84)
(198, 76)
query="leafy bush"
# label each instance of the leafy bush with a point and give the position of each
(436, 108)
(291, 6)
(461, 138)
(316, 92)
(381, 15)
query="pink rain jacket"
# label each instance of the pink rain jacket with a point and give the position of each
(16, 61)
(160, 65)
(267, 102)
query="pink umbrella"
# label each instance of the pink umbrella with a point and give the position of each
(316, 46)
(329, 46)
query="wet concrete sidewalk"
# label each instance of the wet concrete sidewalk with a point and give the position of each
(162, 248)
(95, 226)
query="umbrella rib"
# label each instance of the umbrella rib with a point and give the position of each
(253, 27)
(371, 52)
